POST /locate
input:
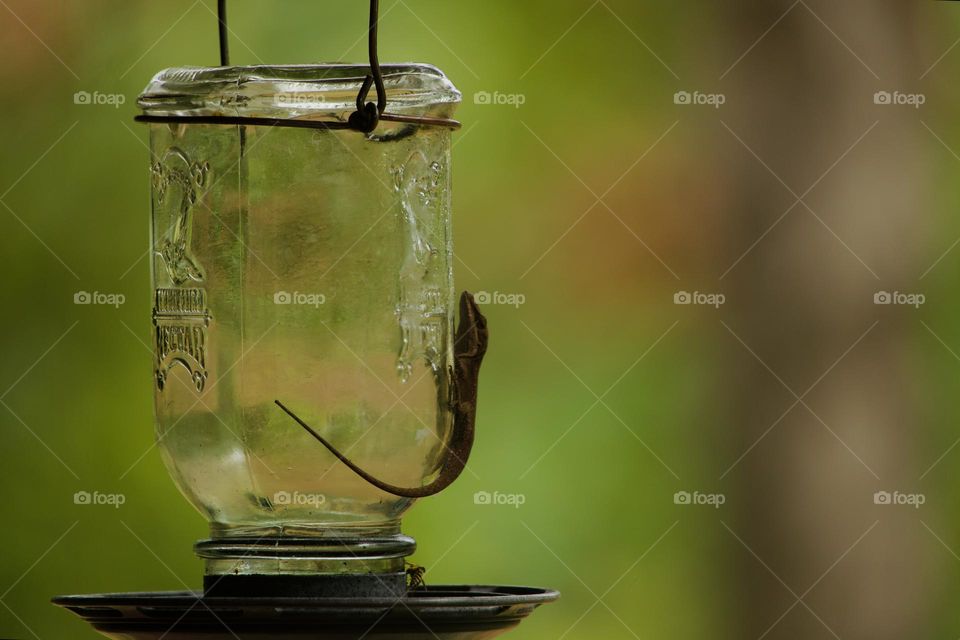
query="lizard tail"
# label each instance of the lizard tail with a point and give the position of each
(469, 349)
(405, 492)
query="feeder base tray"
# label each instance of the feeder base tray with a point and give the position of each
(436, 612)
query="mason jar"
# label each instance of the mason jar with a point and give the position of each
(310, 266)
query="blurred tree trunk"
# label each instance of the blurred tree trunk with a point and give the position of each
(800, 99)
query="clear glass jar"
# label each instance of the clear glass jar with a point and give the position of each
(310, 266)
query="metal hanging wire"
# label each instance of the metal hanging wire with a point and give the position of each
(222, 28)
(367, 115)
(365, 119)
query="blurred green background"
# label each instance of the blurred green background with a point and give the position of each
(599, 199)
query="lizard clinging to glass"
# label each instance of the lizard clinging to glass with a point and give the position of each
(469, 349)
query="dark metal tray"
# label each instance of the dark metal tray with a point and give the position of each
(443, 612)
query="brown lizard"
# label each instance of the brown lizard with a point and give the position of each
(469, 348)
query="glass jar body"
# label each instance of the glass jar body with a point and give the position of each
(313, 267)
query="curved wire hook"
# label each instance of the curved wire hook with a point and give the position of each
(367, 115)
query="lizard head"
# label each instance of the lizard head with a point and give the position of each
(472, 334)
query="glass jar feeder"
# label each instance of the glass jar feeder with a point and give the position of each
(310, 266)
(309, 383)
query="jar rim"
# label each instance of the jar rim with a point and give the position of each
(308, 91)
